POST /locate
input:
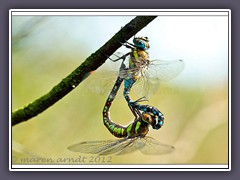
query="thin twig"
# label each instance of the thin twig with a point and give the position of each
(94, 61)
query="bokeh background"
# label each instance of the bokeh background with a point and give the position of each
(45, 49)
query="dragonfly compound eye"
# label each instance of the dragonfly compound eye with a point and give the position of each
(141, 43)
(159, 123)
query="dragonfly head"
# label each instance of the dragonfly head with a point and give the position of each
(159, 123)
(141, 42)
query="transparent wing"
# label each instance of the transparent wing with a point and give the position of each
(164, 70)
(157, 71)
(146, 145)
(101, 82)
(132, 147)
(145, 86)
(95, 147)
(118, 148)
(150, 146)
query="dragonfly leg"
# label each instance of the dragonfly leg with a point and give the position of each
(141, 99)
(129, 45)
(134, 106)
(119, 58)
(135, 111)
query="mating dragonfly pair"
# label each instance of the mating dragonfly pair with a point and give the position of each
(140, 70)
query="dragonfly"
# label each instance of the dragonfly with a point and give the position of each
(139, 63)
(132, 137)
(141, 74)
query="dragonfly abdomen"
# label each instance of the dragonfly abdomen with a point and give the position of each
(135, 129)
(115, 129)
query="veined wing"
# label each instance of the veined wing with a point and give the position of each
(118, 148)
(146, 145)
(133, 146)
(101, 82)
(95, 147)
(150, 146)
(165, 70)
(157, 71)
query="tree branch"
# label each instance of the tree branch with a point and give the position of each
(94, 61)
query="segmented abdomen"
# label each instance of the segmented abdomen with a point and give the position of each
(115, 129)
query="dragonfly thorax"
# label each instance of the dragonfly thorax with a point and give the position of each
(150, 118)
(138, 58)
(138, 128)
(138, 63)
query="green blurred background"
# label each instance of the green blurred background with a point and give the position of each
(45, 49)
